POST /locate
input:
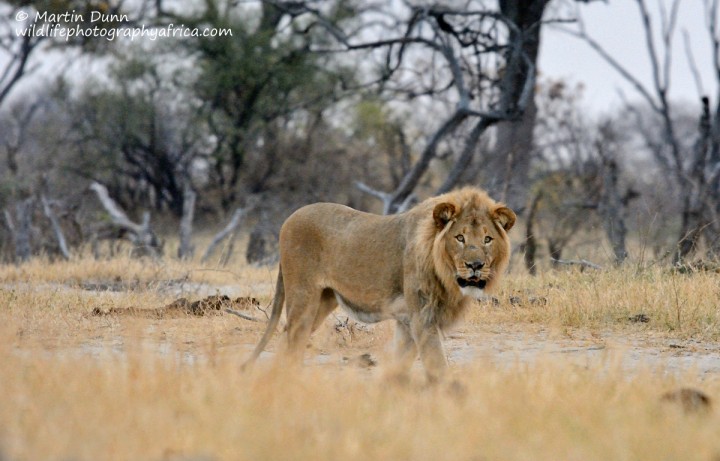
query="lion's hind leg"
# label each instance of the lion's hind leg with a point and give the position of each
(303, 308)
(328, 303)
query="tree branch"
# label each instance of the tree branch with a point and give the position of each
(576, 262)
(220, 236)
(62, 244)
(619, 68)
(467, 154)
(140, 234)
(692, 64)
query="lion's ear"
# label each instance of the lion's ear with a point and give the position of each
(443, 213)
(504, 216)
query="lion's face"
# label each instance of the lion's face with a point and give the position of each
(475, 243)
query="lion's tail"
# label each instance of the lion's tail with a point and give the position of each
(277, 306)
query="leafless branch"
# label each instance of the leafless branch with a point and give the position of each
(711, 11)
(16, 66)
(227, 230)
(9, 221)
(668, 29)
(576, 262)
(465, 157)
(615, 64)
(658, 102)
(20, 231)
(62, 244)
(116, 213)
(652, 53)
(411, 179)
(435, 27)
(186, 222)
(242, 315)
(140, 234)
(692, 64)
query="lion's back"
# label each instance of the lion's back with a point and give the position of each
(321, 221)
(335, 239)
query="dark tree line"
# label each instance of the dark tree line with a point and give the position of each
(348, 101)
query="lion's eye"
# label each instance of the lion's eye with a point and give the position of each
(460, 238)
(488, 239)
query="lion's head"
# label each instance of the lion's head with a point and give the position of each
(471, 248)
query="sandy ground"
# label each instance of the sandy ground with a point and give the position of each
(501, 346)
(498, 345)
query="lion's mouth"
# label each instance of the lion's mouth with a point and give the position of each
(475, 282)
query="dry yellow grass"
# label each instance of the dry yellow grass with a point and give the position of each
(146, 407)
(147, 271)
(83, 387)
(677, 305)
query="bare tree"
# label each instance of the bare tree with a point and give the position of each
(262, 74)
(470, 48)
(16, 128)
(512, 153)
(186, 249)
(20, 228)
(56, 228)
(141, 235)
(530, 245)
(612, 204)
(696, 171)
(15, 50)
(229, 232)
(22, 34)
(566, 187)
(580, 177)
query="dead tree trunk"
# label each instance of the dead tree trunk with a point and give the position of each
(530, 238)
(692, 182)
(695, 206)
(514, 142)
(186, 249)
(465, 157)
(141, 235)
(20, 229)
(229, 230)
(454, 33)
(611, 210)
(611, 205)
(398, 200)
(690, 231)
(57, 230)
(556, 248)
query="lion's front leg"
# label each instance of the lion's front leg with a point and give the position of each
(429, 343)
(405, 352)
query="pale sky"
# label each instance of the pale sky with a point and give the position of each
(617, 26)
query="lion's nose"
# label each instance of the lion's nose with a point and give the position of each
(475, 265)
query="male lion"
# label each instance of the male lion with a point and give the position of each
(421, 268)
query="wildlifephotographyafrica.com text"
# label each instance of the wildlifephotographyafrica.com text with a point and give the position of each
(95, 24)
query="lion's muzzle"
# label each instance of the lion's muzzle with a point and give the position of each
(475, 266)
(473, 277)
(472, 282)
